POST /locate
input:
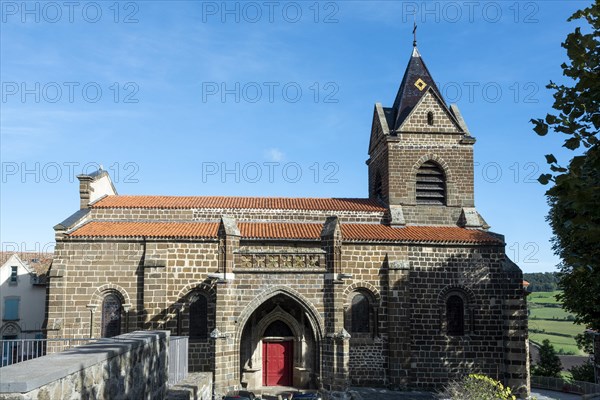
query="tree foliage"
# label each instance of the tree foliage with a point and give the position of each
(549, 364)
(585, 342)
(541, 281)
(574, 197)
(583, 372)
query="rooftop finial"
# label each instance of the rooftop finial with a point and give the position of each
(415, 33)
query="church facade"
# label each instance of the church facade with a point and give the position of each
(405, 288)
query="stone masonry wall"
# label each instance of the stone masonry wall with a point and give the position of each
(432, 215)
(409, 152)
(83, 272)
(241, 215)
(367, 362)
(131, 366)
(397, 160)
(516, 356)
(478, 276)
(418, 121)
(379, 164)
(406, 347)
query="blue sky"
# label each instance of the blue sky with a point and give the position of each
(265, 99)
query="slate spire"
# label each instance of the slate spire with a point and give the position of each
(416, 82)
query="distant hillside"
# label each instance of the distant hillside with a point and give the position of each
(542, 281)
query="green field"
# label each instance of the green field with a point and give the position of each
(548, 313)
(563, 327)
(543, 297)
(567, 344)
(552, 320)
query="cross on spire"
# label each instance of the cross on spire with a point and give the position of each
(415, 33)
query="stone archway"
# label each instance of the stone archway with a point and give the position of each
(295, 338)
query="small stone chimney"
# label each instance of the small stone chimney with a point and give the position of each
(85, 189)
(93, 187)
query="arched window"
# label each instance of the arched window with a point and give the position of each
(455, 316)
(198, 317)
(360, 314)
(430, 118)
(111, 315)
(431, 184)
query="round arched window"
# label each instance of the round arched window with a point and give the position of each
(455, 316)
(360, 313)
(111, 315)
(430, 118)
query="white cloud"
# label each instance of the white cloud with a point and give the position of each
(274, 154)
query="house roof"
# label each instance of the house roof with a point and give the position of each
(308, 231)
(36, 262)
(224, 202)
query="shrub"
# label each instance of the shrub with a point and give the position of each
(549, 364)
(583, 372)
(478, 387)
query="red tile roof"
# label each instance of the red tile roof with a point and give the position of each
(434, 234)
(250, 230)
(148, 229)
(270, 203)
(279, 230)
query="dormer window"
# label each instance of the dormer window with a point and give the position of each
(430, 118)
(13, 275)
(431, 184)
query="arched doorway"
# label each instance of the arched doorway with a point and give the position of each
(278, 346)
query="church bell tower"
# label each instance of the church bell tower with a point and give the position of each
(421, 155)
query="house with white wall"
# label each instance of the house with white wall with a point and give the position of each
(23, 295)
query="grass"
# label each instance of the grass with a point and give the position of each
(543, 297)
(553, 322)
(562, 327)
(567, 344)
(548, 313)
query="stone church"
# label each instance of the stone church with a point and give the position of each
(405, 288)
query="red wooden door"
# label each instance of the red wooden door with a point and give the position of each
(277, 363)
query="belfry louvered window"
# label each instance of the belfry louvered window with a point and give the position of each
(431, 184)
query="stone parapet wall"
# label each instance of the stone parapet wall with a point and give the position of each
(130, 366)
(196, 386)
